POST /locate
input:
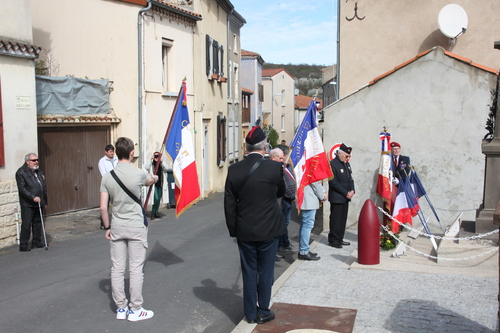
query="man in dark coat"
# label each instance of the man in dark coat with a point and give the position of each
(340, 192)
(400, 170)
(400, 163)
(253, 216)
(32, 196)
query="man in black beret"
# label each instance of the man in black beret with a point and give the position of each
(253, 216)
(340, 192)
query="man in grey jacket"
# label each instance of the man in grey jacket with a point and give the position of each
(313, 194)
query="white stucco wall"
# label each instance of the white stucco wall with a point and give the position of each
(104, 46)
(436, 108)
(17, 79)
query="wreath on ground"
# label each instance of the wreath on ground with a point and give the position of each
(388, 242)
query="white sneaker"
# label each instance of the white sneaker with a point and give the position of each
(122, 313)
(141, 314)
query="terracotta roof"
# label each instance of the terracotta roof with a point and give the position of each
(17, 49)
(247, 90)
(273, 71)
(245, 53)
(303, 101)
(58, 119)
(449, 54)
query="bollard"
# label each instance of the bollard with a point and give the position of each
(368, 235)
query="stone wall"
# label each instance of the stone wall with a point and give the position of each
(9, 206)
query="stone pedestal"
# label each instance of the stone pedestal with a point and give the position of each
(491, 195)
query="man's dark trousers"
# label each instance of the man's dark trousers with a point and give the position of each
(31, 220)
(257, 266)
(338, 220)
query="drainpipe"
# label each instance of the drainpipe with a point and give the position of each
(139, 66)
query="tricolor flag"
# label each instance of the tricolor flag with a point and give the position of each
(402, 211)
(308, 156)
(179, 147)
(384, 180)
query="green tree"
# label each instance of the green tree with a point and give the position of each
(272, 137)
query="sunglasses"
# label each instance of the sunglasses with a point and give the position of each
(35, 160)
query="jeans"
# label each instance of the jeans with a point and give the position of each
(306, 226)
(286, 210)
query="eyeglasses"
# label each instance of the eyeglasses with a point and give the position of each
(156, 156)
(35, 160)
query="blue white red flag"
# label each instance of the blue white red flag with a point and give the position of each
(402, 211)
(308, 156)
(179, 147)
(384, 179)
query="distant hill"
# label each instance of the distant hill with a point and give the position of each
(307, 77)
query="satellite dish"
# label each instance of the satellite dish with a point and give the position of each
(452, 21)
(296, 92)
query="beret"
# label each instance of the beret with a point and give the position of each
(395, 144)
(255, 136)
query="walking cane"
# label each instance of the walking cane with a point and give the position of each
(43, 227)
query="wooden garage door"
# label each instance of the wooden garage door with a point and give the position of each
(68, 158)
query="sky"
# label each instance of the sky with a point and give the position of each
(290, 31)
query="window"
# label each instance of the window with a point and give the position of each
(245, 108)
(215, 59)
(283, 123)
(230, 86)
(235, 43)
(165, 50)
(236, 81)
(221, 140)
(283, 97)
(233, 142)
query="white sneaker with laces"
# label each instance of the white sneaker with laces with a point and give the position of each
(141, 314)
(122, 313)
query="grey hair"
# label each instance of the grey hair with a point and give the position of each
(275, 152)
(27, 156)
(256, 147)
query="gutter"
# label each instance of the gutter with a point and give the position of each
(140, 85)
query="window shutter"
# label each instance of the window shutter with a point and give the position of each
(209, 48)
(222, 60)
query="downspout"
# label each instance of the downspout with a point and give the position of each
(140, 86)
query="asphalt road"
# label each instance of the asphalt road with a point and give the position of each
(192, 278)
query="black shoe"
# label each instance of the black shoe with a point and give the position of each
(314, 254)
(24, 249)
(337, 245)
(262, 319)
(252, 321)
(37, 245)
(282, 250)
(345, 243)
(157, 215)
(309, 256)
(152, 216)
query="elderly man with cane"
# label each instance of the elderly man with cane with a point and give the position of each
(32, 198)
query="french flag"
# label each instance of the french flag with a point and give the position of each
(402, 211)
(179, 146)
(308, 156)
(384, 179)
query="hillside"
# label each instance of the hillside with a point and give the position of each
(307, 77)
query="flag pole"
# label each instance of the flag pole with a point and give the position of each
(164, 140)
(417, 179)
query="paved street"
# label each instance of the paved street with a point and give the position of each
(192, 277)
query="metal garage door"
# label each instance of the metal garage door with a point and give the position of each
(68, 158)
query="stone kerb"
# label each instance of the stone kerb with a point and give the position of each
(9, 205)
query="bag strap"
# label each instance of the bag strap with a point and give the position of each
(125, 188)
(249, 174)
